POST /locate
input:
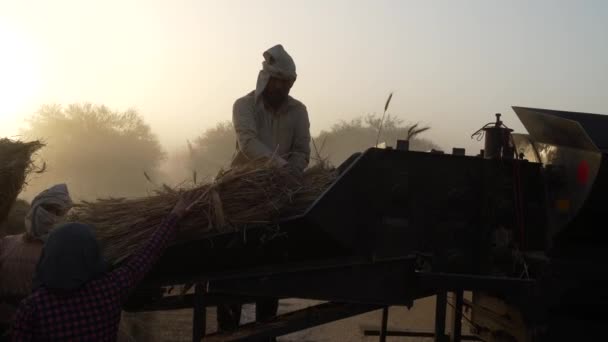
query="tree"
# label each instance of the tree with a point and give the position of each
(357, 135)
(98, 152)
(213, 150)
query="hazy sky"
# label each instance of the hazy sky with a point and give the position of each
(451, 64)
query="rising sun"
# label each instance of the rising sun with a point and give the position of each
(19, 71)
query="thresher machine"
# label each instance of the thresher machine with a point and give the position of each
(520, 226)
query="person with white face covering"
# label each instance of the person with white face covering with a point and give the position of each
(269, 123)
(48, 209)
(19, 254)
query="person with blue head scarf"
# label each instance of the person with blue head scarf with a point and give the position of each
(71, 257)
(75, 297)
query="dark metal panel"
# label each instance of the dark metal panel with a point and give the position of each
(575, 181)
(382, 283)
(585, 234)
(554, 130)
(595, 125)
(466, 282)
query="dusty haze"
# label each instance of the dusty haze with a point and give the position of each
(182, 64)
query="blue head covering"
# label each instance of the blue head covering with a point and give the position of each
(70, 257)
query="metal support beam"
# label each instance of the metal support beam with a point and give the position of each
(291, 322)
(440, 313)
(455, 281)
(456, 335)
(384, 324)
(199, 314)
(179, 302)
(427, 334)
(393, 283)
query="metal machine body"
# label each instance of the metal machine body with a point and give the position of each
(497, 140)
(516, 227)
(571, 271)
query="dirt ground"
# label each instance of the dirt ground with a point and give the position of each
(177, 326)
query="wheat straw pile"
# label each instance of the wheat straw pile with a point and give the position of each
(253, 194)
(15, 165)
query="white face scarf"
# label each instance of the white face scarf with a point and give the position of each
(38, 221)
(277, 63)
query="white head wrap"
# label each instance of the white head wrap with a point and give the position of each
(277, 63)
(38, 221)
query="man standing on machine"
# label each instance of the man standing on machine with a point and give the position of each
(269, 123)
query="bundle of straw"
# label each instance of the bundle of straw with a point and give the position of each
(15, 165)
(257, 193)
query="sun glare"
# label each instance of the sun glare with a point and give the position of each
(19, 72)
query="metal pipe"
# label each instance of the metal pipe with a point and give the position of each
(384, 324)
(199, 314)
(440, 313)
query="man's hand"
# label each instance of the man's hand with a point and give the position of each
(294, 170)
(280, 162)
(184, 204)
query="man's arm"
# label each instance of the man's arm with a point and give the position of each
(299, 156)
(243, 119)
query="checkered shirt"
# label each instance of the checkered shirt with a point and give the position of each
(91, 313)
